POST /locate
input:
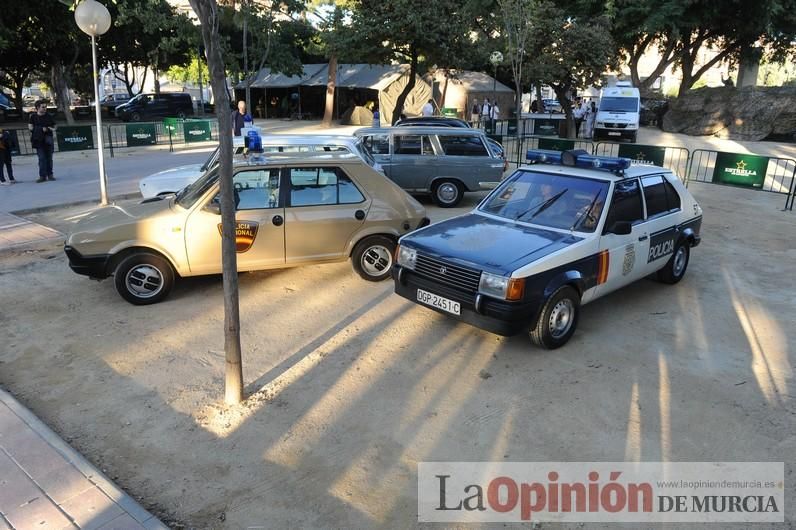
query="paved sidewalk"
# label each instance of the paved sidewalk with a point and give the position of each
(15, 231)
(44, 483)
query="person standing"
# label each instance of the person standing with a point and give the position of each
(42, 126)
(428, 108)
(240, 118)
(486, 109)
(579, 113)
(591, 115)
(6, 145)
(475, 113)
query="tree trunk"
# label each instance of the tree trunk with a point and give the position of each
(518, 95)
(61, 89)
(207, 11)
(330, 87)
(156, 73)
(539, 104)
(246, 62)
(410, 85)
(562, 93)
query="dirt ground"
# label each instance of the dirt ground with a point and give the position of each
(351, 386)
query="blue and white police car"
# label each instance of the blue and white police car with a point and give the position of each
(558, 233)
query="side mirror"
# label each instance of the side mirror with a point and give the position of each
(213, 207)
(620, 228)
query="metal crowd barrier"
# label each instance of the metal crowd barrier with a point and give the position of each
(674, 158)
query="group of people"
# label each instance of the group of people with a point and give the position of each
(585, 113)
(482, 113)
(42, 127)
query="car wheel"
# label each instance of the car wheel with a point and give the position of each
(558, 319)
(372, 258)
(675, 268)
(143, 278)
(633, 137)
(135, 116)
(447, 193)
(181, 115)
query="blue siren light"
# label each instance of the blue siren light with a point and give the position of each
(578, 158)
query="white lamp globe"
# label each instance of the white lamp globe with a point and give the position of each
(92, 18)
(496, 58)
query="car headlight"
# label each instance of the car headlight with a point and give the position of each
(407, 257)
(501, 286)
(600, 124)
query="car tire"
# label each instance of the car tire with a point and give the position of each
(675, 268)
(372, 258)
(181, 115)
(633, 137)
(557, 320)
(135, 116)
(447, 193)
(143, 278)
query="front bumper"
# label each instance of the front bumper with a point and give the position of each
(496, 316)
(91, 266)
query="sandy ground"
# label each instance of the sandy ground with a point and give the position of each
(351, 386)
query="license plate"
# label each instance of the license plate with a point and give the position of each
(611, 133)
(424, 297)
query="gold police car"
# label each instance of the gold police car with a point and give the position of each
(291, 210)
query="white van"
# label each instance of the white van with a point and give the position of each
(174, 179)
(618, 112)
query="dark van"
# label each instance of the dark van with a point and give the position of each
(163, 105)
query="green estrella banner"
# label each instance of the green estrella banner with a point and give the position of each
(196, 130)
(740, 169)
(643, 154)
(556, 144)
(170, 125)
(74, 138)
(141, 134)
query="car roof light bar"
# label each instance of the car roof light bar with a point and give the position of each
(578, 158)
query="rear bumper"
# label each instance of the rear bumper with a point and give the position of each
(496, 316)
(91, 266)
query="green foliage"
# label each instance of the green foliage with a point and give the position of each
(188, 73)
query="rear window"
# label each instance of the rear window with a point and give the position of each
(462, 145)
(654, 195)
(410, 144)
(315, 186)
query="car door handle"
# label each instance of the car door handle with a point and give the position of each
(277, 220)
(642, 238)
(359, 214)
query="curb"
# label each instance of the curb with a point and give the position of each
(43, 209)
(127, 503)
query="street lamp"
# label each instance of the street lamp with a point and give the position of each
(495, 58)
(94, 19)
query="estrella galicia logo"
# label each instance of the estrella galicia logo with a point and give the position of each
(245, 234)
(75, 138)
(661, 244)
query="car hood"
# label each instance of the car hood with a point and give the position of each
(110, 218)
(480, 242)
(179, 171)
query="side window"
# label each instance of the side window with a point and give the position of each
(655, 195)
(626, 203)
(463, 145)
(672, 197)
(255, 190)
(378, 144)
(413, 145)
(322, 186)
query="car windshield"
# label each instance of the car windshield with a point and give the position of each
(619, 104)
(211, 160)
(192, 192)
(555, 201)
(364, 153)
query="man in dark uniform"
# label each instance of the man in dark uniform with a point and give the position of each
(41, 127)
(239, 118)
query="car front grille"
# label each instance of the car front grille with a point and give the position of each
(461, 278)
(616, 125)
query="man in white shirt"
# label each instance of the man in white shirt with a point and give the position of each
(428, 108)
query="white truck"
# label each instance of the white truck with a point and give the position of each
(618, 113)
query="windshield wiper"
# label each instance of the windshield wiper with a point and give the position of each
(542, 206)
(585, 215)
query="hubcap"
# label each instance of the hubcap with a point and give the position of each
(144, 281)
(561, 318)
(679, 261)
(447, 192)
(376, 260)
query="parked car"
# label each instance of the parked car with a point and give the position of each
(291, 211)
(495, 147)
(174, 179)
(552, 105)
(618, 113)
(553, 236)
(442, 161)
(152, 106)
(109, 103)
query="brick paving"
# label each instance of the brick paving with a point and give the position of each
(45, 484)
(16, 231)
